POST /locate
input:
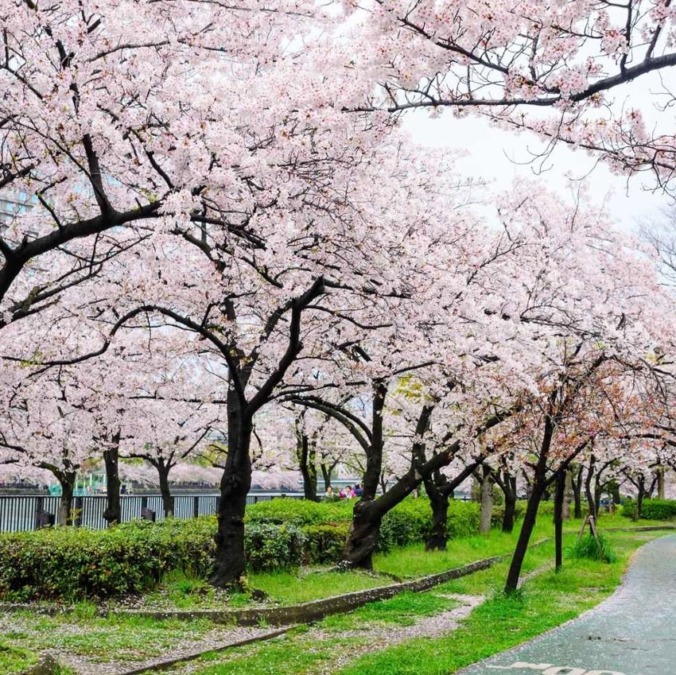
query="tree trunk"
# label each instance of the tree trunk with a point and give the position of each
(486, 502)
(230, 563)
(639, 498)
(366, 516)
(437, 538)
(113, 512)
(363, 538)
(538, 487)
(660, 483)
(163, 469)
(558, 518)
(326, 474)
(308, 468)
(509, 515)
(593, 506)
(67, 481)
(576, 484)
(567, 495)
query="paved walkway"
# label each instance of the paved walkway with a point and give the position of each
(631, 633)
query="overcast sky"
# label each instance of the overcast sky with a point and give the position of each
(500, 157)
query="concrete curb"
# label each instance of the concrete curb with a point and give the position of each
(293, 614)
(164, 665)
(319, 609)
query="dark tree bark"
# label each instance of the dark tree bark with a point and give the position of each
(363, 537)
(639, 497)
(308, 468)
(113, 511)
(559, 497)
(507, 483)
(436, 487)
(440, 490)
(538, 486)
(230, 564)
(164, 467)
(67, 481)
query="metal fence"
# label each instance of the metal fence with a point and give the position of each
(21, 513)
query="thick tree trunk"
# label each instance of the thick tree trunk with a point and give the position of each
(486, 502)
(440, 490)
(113, 511)
(537, 490)
(437, 538)
(163, 469)
(363, 537)
(230, 563)
(367, 516)
(67, 481)
(558, 518)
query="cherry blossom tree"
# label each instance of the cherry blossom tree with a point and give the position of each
(549, 67)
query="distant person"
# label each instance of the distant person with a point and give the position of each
(329, 494)
(358, 491)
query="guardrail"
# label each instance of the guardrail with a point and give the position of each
(23, 513)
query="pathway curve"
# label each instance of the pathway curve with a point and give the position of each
(631, 633)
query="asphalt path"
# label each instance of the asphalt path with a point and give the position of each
(631, 633)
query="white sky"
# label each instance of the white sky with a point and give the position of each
(501, 157)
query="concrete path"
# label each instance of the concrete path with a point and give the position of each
(631, 633)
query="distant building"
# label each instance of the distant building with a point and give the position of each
(12, 203)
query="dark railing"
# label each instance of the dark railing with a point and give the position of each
(22, 513)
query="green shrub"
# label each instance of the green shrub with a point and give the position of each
(658, 509)
(269, 546)
(324, 544)
(464, 519)
(589, 547)
(75, 563)
(629, 508)
(71, 564)
(300, 511)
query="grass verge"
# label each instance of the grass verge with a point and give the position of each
(364, 643)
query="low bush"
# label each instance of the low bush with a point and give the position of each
(270, 546)
(658, 509)
(299, 511)
(652, 509)
(324, 543)
(629, 508)
(73, 563)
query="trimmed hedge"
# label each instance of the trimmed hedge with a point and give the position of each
(72, 563)
(653, 509)
(75, 563)
(299, 511)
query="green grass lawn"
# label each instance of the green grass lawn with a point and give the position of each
(546, 600)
